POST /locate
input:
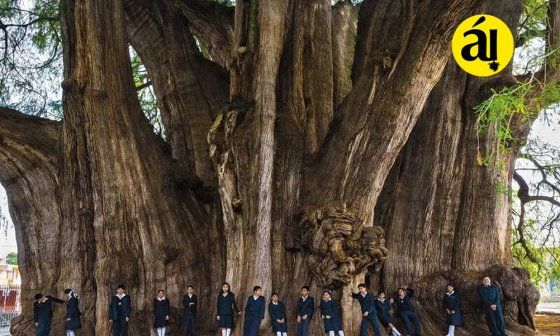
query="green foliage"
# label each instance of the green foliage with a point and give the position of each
(533, 19)
(31, 65)
(12, 258)
(498, 111)
(146, 95)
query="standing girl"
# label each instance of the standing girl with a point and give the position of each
(161, 313)
(452, 305)
(330, 315)
(227, 307)
(73, 320)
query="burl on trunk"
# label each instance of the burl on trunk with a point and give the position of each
(292, 156)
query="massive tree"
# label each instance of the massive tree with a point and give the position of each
(305, 143)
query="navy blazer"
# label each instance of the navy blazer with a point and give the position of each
(255, 308)
(276, 311)
(367, 302)
(404, 304)
(119, 308)
(73, 313)
(489, 295)
(43, 311)
(189, 309)
(226, 304)
(306, 307)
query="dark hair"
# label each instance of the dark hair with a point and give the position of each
(362, 285)
(486, 276)
(161, 290)
(450, 284)
(121, 287)
(256, 288)
(228, 287)
(190, 286)
(380, 292)
(67, 290)
(306, 288)
(327, 291)
(38, 296)
(401, 288)
(273, 294)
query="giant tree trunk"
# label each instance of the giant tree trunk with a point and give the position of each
(317, 162)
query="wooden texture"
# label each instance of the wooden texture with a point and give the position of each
(305, 144)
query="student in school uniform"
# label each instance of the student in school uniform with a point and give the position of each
(489, 295)
(120, 309)
(227, 308)
(43, 313)
(305, 308)
(383, 307)
(407, 313)
(369, 313)
(277, 313)
(254, 312)
(330, 315)
(452, 305)
(190, 302)
(162, 310)
(73, 320)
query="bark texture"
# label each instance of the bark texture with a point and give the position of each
(305, 144)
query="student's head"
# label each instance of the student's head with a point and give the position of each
(274, 297)
(160, 293)
(120, 289)
(304, 290)
(381, 295)
(38, 296)
(401, 291)
(225, 287)
(486, 280)
(326, 295)
(362, 288)
(450, 288)
(190, 289)
(257, 290)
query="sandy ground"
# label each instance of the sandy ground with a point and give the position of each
(548, 324)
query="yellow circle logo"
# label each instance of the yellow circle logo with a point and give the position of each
(482, 45)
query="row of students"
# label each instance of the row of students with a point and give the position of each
(374, 310)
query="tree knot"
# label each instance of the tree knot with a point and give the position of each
(339, 243)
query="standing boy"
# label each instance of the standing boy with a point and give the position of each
(43, 313)
(305, 309)
(189, 311)
(119, 312)
(254, 312)
(383, 307)
(369, 314)
(407, 313)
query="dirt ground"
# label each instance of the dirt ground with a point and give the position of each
(548, 324)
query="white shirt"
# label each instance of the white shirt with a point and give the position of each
(120, 296)
(161, 299)
(255, 297)
(304, 297)
(449, 294)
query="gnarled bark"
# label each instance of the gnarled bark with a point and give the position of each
(334, 161)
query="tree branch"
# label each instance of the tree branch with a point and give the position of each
(25, 143)
(212, 24)
(189, 88)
